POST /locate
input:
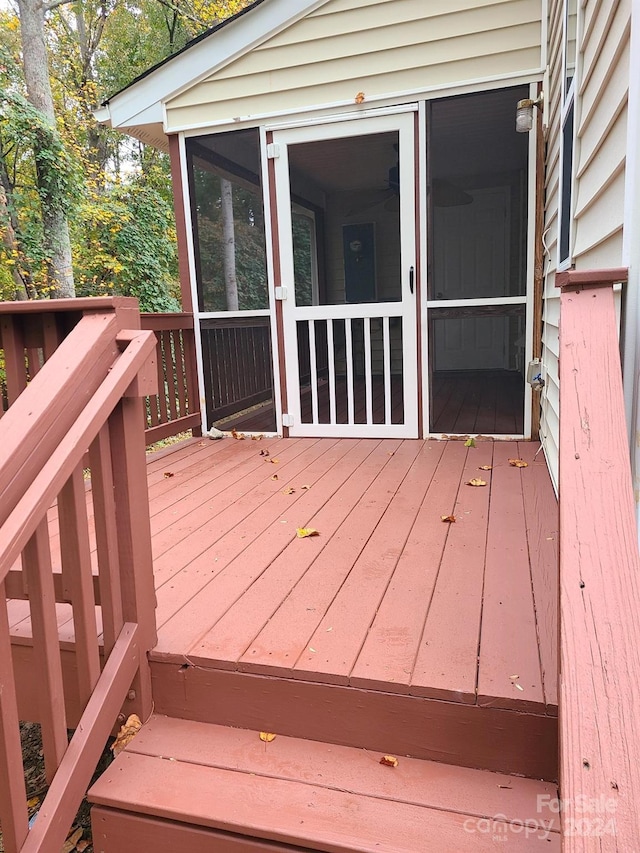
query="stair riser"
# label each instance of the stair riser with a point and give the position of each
(465, 735)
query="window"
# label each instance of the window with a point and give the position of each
(569, 53)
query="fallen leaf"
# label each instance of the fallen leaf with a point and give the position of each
(168, 474)
(477, 482)
(359, 97)
(274, 476)
(470, 442)
(267, 737)
(518, 463)
(449, 518)
(305, 487)
(200, 444)
(72, 840)
(257, 437)
(240, 436)
(288, 491)
(514, 677)
(389, 761)
(264, 453)
(126, 734)
(304, 532)
(485, 468)
(273, 461)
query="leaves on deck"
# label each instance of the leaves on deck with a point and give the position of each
(305, 532)
(470, 442)
(485, 467)
(305, 486)
(239, 436)
(477, 482)
(448, 518)
(518, 463)
(257, 438)
(273, 461)
(288, 491)
(267, 737)
(389, 761)
(168, 474)
(126, 734)
(264, 453)
(274, 476)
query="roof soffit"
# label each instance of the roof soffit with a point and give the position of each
(187, 69)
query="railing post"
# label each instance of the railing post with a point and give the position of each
(599, 688)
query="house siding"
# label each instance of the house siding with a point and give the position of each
(598, 196)
(378, 47)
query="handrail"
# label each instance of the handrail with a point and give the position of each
(599, 577)
(85, 394)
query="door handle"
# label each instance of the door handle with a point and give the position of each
(411, 279)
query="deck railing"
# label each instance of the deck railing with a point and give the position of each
(599, 577)
(176, 406)
(78, 403)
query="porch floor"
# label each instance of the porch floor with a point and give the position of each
(387, 596)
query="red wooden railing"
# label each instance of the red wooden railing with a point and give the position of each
(77, 403)
(599, 577)
(176, 406)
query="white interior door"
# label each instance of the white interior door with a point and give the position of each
(348, 283)
(471, 245)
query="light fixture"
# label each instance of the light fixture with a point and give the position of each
(524, 113)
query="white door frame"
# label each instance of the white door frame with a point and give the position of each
(405, 309)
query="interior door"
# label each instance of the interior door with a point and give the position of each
(345, 196)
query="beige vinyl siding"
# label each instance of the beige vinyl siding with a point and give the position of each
(601, 103)
(378, 47)
(550, 409)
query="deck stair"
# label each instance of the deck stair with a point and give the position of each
(190, 786)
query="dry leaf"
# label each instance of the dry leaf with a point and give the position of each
(304, 532)
(518, 463)
(274, 476)
(477, 482)
(305, 487)
(264, 453)
(267, 737)
(288, 491)
(126, 734)
(202, 443)
(470, 442)
(240, 436)
(72, 840)
(273, 461)
(485, 468)
(449, 518)
(257, 437)
(168, 474)
(359, 97)
(389, 761)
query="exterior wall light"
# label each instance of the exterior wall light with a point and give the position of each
(524, 113)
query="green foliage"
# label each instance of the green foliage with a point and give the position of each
(127, 246)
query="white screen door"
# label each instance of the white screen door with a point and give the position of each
(345, 195)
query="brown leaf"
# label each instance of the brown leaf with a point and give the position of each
(485, 468)
(168, 474)
(518, 463)
(126, 734)
(305, 487)
(359, 97)
(449, 518)
(264, 453)
(70, 844)
(240, 436)
(267, 737)
(476, 482)
(273, 461)
(304, 532)
(257, 437)
(200, 444)
(389, 761)
(288, 491)
(274, 476)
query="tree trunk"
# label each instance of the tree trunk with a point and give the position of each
(36, 73)
(229, 245)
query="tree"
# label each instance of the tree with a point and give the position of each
(46, 141)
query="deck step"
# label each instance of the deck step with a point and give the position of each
(184, 785)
